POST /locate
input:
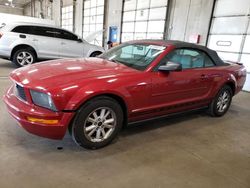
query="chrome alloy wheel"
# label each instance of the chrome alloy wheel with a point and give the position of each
(24, 58)
(100, 124)
(223, 101)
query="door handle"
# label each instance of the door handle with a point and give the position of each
(63, 43)
(35, 40)
(22, 36)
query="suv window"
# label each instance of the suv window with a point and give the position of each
(189, 58)
(35, 30)
(43, 31)
(22, 29)
(65, 35)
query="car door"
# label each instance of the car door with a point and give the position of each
(46, 43)
(177, 87)
(70, 45)
(23, 34)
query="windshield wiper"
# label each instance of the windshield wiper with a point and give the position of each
(121, 62)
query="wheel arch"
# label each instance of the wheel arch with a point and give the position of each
(116, 97)
(21, 46)
(231, 84)
(93, 52)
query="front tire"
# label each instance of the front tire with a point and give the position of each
(97, 123)
(24, 57)
(221, 103)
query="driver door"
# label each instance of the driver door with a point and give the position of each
(70, 45)
(179, 87)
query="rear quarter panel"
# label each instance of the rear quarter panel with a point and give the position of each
(13, 40)
(237, 73)
(229, 74)
(8, 42)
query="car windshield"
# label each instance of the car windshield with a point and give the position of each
(137, 56)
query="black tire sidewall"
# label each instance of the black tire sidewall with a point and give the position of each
(23, 50)
(78, 124)
(214, 109)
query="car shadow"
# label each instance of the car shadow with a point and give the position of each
(125, 137)
(171, 120)
(132, 135)
(7, 64)
(166, 130)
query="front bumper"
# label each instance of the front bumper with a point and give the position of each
(21, 110)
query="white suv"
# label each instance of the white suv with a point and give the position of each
(26, 43)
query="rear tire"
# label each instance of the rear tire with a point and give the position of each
(97, 123)
(221, 103)
(24, 57)
(95, 54)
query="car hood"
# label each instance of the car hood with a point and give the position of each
(67, 71)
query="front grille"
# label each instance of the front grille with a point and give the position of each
(20, 92)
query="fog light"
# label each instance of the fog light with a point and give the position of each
(43, 121)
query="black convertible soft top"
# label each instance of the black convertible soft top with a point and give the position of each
(180, 44)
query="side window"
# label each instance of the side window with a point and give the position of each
(22, 29)
(66, 35)
(192, 59)
(189, 58)
(208, 62)
(174, 56)
(69, 36)
(178, 56)
(44, 31)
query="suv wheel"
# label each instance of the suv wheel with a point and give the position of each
(221, 102)
(97, 123)
(24, 57)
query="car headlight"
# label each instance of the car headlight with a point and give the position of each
(42, 99)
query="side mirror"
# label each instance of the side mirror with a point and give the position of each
(170, 66)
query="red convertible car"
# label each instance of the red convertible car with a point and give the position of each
(135, 81)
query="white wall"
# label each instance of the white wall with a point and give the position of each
(78, 17)
(49, 10)
(113, 14)
(10, 10)
(35, 11)
(56, 12)
(113, 17)
(68, 2)
(189, 17)
(5, 18)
